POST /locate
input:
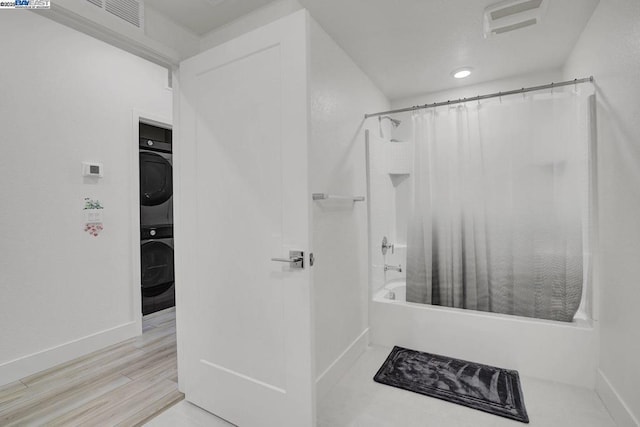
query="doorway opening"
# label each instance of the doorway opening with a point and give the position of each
(157, 275)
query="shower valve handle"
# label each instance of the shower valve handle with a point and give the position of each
(386, 246)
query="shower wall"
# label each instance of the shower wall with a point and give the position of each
(390, 165)
(340, 93)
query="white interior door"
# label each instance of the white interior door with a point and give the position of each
(244, 321)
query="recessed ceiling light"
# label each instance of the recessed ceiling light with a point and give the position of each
(461, 73)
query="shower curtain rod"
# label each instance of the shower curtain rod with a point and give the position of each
(479, 97)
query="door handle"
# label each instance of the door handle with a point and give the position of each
(295, 260)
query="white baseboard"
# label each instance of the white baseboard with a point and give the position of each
(327, 379)
(618, 409)
(30, 364)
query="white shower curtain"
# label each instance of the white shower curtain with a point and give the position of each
(500, 205)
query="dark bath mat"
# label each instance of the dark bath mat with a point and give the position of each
(486, 388)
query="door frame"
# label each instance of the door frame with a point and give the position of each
(138, 116)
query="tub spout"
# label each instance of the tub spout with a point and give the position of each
(397, 268)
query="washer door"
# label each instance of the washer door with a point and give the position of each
(157, 268)
(156, 179)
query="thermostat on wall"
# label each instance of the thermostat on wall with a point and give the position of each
(92, 169)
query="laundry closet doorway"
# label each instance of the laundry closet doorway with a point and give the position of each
(156, 218)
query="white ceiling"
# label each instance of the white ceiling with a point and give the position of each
(202, 16)
(409, 47)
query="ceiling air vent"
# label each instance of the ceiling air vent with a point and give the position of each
(131, 11)
(512, 15)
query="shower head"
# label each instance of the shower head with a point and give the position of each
(394, 122)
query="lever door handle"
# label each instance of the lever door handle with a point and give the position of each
(296, 259)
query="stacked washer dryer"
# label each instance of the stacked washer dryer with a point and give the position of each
(156, 219)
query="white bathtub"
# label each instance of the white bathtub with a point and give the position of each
(395, 291)
(545, 349)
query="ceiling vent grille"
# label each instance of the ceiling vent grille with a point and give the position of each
(512, 15)
(131, 11)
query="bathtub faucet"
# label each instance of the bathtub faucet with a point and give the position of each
(397, 268)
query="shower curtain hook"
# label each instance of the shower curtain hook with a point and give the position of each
(523, 95)
(551, 88)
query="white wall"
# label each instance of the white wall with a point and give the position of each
(67, 98)
(259, 17)
(340, 95)
(609, 49)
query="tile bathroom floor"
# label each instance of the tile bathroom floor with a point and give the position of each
(357, 401)
(185, 414)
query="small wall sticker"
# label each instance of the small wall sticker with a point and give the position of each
(93, 216)
(92, 204)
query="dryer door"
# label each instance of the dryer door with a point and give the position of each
(156, 182)
(157, 267)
